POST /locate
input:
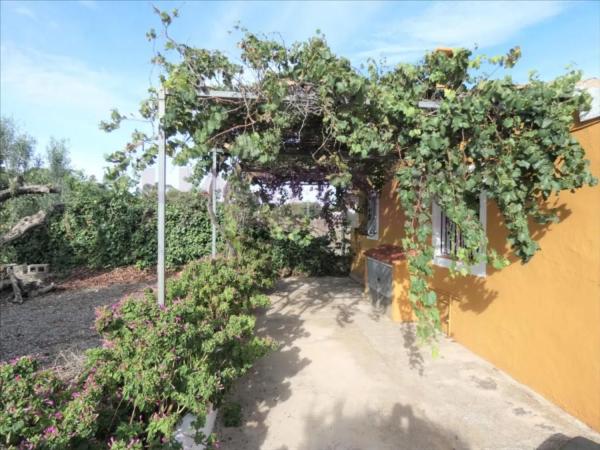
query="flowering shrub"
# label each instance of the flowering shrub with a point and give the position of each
(155, 365)
(29, 402)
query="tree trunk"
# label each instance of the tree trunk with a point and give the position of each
(26, 224)
(28, 189)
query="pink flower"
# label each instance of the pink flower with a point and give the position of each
(132, 442)
(50, 430)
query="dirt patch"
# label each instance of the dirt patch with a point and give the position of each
(86, 278)
(58, 327)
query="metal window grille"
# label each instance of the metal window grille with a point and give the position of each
(451, 239)
(373, 216)
(448, 240)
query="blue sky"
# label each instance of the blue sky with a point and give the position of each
(64, 65)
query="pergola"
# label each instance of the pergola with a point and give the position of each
(299, 151)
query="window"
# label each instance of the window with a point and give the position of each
(373, 216)
(447, 239)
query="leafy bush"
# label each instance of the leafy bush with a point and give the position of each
(315, 258)
(109, 226)
(30, 402)
(296, 251)
(156, 364)
(187, 230)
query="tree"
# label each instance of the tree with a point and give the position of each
(57, 155)
(16, 149)
(17, 152)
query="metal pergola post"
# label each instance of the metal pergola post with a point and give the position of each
(213, 183)
(162, 172)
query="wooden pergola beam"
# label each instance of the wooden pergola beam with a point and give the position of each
(423, 104)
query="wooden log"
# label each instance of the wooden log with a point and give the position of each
(26, 224)
(42, 290)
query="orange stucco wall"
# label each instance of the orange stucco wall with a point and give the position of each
(540, 322)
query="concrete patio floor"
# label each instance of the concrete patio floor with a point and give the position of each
(348, 378)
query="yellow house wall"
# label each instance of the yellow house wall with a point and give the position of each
(540, 321)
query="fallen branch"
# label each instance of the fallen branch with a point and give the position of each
(42, 290)
(25, 190)
(26, 224)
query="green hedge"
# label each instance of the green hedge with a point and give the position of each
(105, 227)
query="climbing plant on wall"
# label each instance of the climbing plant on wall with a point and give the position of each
(299, 113)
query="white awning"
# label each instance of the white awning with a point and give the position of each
(592, 86)
(220, 186)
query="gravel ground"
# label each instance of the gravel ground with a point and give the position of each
(60, 325)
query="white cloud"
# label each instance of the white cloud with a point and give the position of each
(457, 24)
(395, 31)
(393, 53)
(340, 21)
(60, 96)
(481, 23)
(31, 15)
(90, 4)
(23, 11)
(59, 82)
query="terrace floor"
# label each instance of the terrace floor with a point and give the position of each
(348, 378)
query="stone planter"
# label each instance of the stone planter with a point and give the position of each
(185, 431)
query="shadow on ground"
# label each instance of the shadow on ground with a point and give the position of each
(399, 429)
(306, 295)
(267, 384)
(560, 441)
(330, 424)
(347, 378)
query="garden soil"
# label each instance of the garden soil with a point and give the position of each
(58, 327)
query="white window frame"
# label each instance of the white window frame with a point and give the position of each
(373, 197)
(478, 269)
